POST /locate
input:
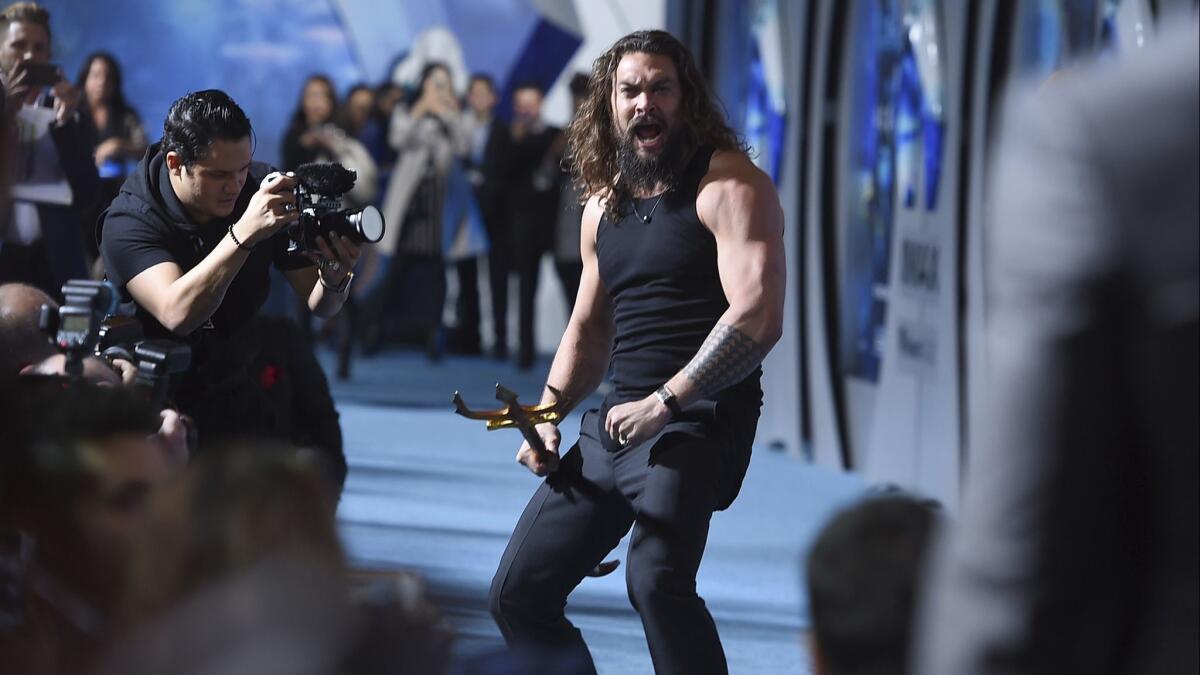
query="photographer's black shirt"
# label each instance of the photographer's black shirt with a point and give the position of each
(147, 225)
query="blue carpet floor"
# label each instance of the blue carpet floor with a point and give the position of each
(434, 493)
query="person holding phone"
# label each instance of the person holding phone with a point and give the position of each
(52, 176)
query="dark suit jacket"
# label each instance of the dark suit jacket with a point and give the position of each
(1077, 550)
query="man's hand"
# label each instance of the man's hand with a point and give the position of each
(15, 89)
(270, 209)
(66, 100)
(548, 462)
(173, 434)
(127, 370)
(637, 421)
(337, 261)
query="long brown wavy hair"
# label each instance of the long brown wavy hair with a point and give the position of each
(592, 138)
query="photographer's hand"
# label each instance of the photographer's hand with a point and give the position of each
(336, 262)
(326, 287)
(127, 370)
(183, 301)
(270, 209)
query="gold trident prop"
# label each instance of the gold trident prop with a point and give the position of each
(525, 418)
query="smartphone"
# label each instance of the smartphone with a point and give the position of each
(42, 74)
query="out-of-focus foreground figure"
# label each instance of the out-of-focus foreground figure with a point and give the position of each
(1077, 549)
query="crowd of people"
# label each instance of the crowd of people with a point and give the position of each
(461, 184)
(143, 533)
(460, 188)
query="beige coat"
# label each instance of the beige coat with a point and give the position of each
(416, 140)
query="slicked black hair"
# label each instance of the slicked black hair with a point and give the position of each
(198, 119)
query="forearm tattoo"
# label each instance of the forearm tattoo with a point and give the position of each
(727, 356)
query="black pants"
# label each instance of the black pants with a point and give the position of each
(528, 272)
(500, 264)
(467, 306)
(667, 490)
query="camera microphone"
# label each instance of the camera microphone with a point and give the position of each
(326, 178)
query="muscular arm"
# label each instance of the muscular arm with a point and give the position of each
(738, 203)
(582, 357)
(182, 302)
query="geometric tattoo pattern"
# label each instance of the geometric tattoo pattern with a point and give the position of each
(727, 356)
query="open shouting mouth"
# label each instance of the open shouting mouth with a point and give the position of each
(649, 134)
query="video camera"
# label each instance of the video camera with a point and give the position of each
(86, 324)
(319, 189)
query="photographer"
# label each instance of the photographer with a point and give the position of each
(50, 171)
(190, 239)
(25, 349)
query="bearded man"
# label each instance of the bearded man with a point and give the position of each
(682, 290)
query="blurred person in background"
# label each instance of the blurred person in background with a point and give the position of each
(388, 96)
(567, 260)
(428, 135)
(314, 135)
(862, 575)
(480, 126)
(528, 194)
(216, 571)
(52, 178)
(1078, 547)
(115, 128)
(79, 462)
(358, 108)
(362, 121)
(486, 132)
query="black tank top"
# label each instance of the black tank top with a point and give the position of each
(665, 289)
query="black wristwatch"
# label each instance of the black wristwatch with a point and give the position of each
(668, 399)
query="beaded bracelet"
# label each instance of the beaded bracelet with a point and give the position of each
(235, 240)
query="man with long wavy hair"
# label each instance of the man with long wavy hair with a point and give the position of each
(682, 290)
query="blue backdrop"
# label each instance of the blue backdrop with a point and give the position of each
(260, 51)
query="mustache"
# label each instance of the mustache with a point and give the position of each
(649, 118)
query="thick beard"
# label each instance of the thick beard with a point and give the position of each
(642, 174)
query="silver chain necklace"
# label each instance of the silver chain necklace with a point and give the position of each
(646, 218)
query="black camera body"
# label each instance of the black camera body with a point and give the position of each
(75, 327)
(156, 360)
(86, 325)
(319, 189)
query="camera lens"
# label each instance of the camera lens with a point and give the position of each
(367, 224)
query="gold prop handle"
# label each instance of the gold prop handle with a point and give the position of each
(525, 418)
